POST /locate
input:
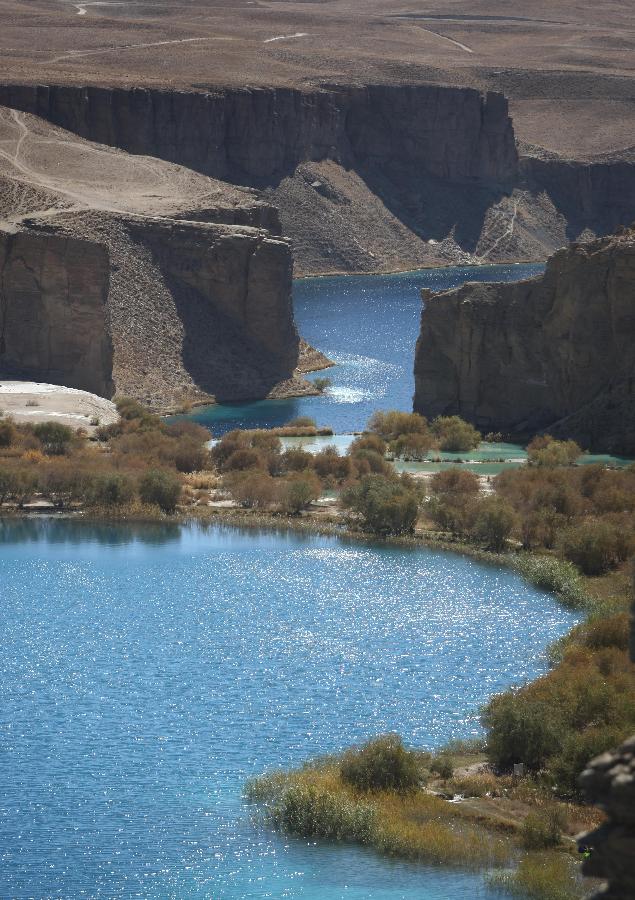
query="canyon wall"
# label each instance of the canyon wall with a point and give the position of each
(258, 135)
(365, 178)
(53, 311)
(162, 310)
(555, 353)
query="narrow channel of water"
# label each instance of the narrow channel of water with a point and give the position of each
(368, 325)
(145, 672)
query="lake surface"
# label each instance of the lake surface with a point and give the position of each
(145, 672)
(368, 325)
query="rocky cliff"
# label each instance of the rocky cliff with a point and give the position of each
(162, 310)
(554, 353)
(127, 274)
(260, 135)
(53, 311)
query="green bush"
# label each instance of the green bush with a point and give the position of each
(53, 436)
(309, 812)
(596, 546)
(381, 764)
(298, 492)
(368, 442)
(540, 877)
(412, 446)
(386, 506)
(442, 765)
(160, 488)
(545, 451)
(520, 730)
(8, 433)
(112, 490)
(456, 435)
(495, 520)
(556, 575)
(543, 829)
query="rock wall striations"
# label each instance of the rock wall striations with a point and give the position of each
(366, 177)
(554, 353)
(53, 311)
(161, 310)
(261, 134)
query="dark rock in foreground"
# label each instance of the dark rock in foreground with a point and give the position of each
(555, 353)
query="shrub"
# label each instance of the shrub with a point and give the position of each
(412, 446)
(381, 764)
(8, 433)
(552, 574)
(393, 423)
(368, 442)
(540, 877)
(545, 451)
(543, 829)
(495, 520)
(520, 730)
(53, 436)
(372, 462)
(322, 383)
(298, 492)
(160, 488)
(329, 464)
(254, 489)
(112, 490)
(308, 811)
(295, 460)
(596, 546)
(301, 422)
(577, 749)
(241, 459)
(442, 765)
(454, 481)
(387, 506)
(454, 434)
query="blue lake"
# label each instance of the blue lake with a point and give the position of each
(368, 325)
(145, 672)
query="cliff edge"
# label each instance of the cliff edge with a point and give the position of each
(554, 353)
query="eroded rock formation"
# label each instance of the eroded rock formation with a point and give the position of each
(366, 178)
(127, 274)
(554, 353)
(166, 311)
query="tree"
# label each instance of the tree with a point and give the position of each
(495, 520)
(298, 492)
(456, 435)
(545, 451)
(54, 437)
(386, 505)
(520, 730)
(160, 488)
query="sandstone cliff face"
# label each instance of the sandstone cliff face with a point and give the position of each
(262, 134)
(366, 178)
(165, 311)
(53, 311)
(555, 353)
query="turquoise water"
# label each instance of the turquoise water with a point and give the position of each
(145, 672)
(368, 325)
(487, 459)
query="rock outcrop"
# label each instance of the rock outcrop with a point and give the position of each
(366, 177)
(554, 353)
(162, 310)
(53, 311)
(262, 134)
(127, 274)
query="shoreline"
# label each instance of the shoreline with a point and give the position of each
(409, 271)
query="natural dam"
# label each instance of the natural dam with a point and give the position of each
(147, 671)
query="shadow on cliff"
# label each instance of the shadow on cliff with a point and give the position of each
(217, 354)
(433, 208)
